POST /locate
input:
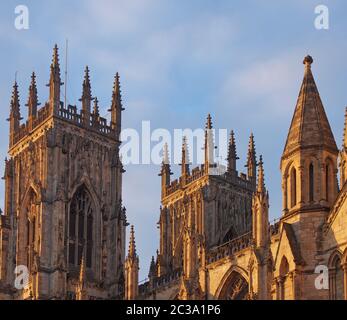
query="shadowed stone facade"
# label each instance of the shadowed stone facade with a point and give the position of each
(216, 241)
(63, 217)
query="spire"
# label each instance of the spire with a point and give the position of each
(261, 181)
(165, 170)
(132, 246)
(209, 122)
(96, 110)
(15, 117)
(116, 106)
(55, 82)
(251, 159)
(260, 211)
(185, 158)
(131, 267)
(86, 88)
(32, 99)
(15, 105)
(344, 144)
(232, 156)
(86, 98)
(209, 145)
(310, 126)
(166, 154)
(152, 269)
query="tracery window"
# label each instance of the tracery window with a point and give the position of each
(81, 217)
(236, 288)
(31, 230)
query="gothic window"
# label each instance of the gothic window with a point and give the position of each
(235, 288)
(327, 185)
(336, 279)
(81, 228)
(31, 210)
(284, 283)
(311, 182)
(293, 187)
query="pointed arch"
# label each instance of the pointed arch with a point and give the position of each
(336, 279)
(234, 285)
(311, 182)
(28, 231)
(284, 266)
(81, 229)
(285, 284)
(330, 180)
(293, 187)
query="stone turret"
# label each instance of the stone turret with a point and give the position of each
(86, 98)
(260, 210)
(251, 161)
(185, 161)
(131, 269)
(309, 159)
(116, 107)
(15, 117)
(165, 171)
(55, 83)
(32, 103)
(232, 155)
(209, 145)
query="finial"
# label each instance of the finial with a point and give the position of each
(261, 183)
(166, 154)
(15, 105)
(96, 107)
(32, 98)
(209, 122)
(132, 246)
(55, 59)
(308, 60)
(185, 154)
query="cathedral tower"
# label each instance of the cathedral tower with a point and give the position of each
(63, 196)
(309, 159)
(309, 188)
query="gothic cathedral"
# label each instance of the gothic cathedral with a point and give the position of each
(65, 223)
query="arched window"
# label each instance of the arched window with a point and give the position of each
(81, 228)
(235, 288)
(284, 288)
(311, 182)
(337, 278)
(293, 187)
(31, 214)
(327, 184)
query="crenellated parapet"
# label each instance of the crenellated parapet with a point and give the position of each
(55, 108)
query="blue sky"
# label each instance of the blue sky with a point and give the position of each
(178, 60)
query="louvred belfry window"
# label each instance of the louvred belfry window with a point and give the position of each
(81, 228)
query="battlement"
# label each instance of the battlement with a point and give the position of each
(87, 117)
(240, 180)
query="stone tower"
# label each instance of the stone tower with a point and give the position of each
(309, 183)
(63, 185)
(202, 209)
